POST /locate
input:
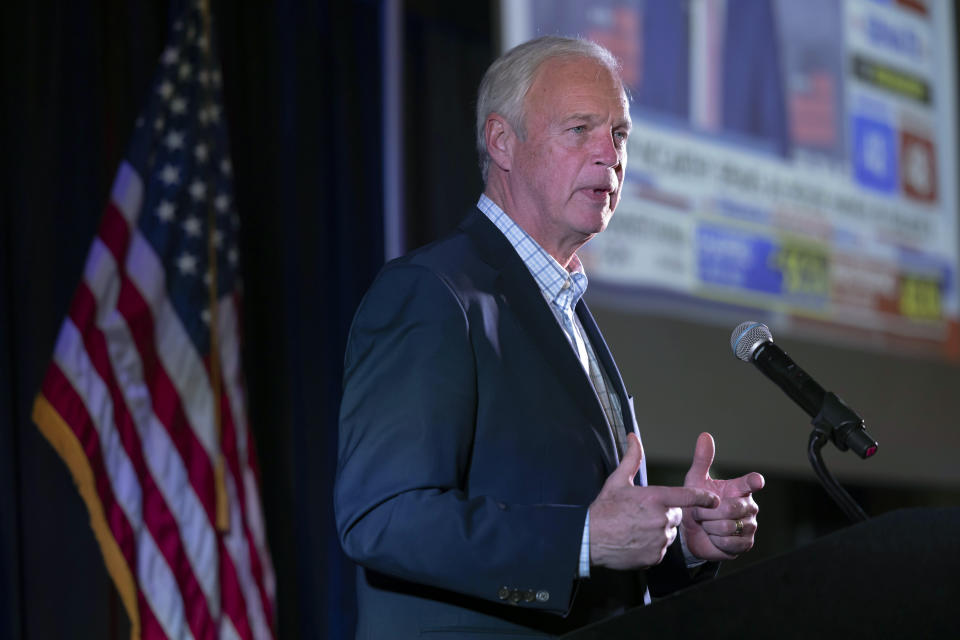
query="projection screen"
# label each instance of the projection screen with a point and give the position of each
(794, 163)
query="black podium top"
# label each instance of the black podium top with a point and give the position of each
(895, 576)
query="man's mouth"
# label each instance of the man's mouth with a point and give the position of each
(598, 192)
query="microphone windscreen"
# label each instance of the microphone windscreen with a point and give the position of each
(747, 337)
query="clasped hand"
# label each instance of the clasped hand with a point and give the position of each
(631, 527)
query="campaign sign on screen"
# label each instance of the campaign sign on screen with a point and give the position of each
(731, 258)
(874, 154)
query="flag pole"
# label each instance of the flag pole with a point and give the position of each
(222, 504)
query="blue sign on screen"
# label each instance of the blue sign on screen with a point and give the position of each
(736, 259)
(874, 154)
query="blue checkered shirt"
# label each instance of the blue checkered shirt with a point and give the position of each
(562, 289)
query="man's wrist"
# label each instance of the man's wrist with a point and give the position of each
(688, 557)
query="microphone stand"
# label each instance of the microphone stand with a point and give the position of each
(843, 499)
(835, 422)
(832, 418)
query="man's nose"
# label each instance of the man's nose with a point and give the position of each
(605, 151)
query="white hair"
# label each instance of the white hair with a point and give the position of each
(506, 83)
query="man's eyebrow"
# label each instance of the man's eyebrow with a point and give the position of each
(593, 118)
(583, 117)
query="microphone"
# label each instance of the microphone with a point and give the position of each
(753, 342)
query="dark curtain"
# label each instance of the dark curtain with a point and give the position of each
(447, 48)
(302, 83)
(302, 87)
(74, 77)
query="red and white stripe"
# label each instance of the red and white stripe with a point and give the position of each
(128, 382)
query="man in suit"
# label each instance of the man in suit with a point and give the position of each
(490, 476)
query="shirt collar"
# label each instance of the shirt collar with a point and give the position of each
(562, 287)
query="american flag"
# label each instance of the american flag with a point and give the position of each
(812, 109)
(144, 399)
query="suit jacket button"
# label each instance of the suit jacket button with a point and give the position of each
(515, 596)
(543, 596)
(503, 593)
(529, 596)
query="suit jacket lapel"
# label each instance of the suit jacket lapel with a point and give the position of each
(606, 361)
(616, 380)
(523, 297)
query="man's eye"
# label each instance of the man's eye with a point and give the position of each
(578, 129)
(620, 136)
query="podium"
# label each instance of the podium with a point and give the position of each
(895, 576)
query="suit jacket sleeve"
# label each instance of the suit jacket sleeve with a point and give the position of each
(407, 426)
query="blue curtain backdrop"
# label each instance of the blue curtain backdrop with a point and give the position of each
(73, 78)
(302, 95)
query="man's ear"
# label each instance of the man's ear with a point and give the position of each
(501, 141)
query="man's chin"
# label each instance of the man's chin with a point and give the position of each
(603, 220)
(589, 231)
(588, 221)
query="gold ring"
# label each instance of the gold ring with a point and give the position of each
(739, 531)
